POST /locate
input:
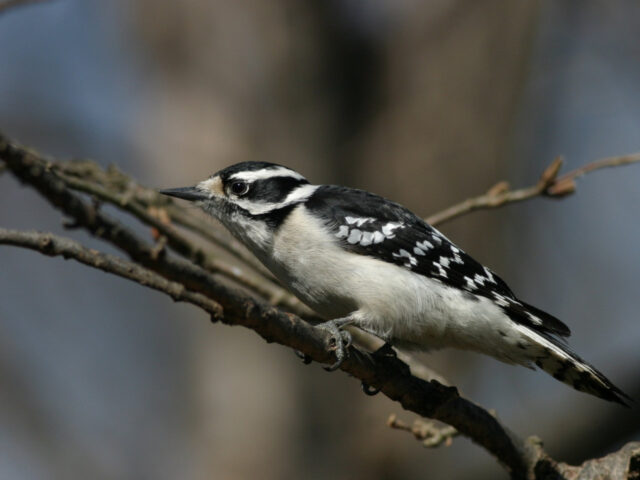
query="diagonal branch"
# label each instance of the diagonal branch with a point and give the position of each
(52, 245)
(549, 185)
(113, 187)
(386, 373)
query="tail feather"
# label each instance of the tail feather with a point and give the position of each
(556, 359)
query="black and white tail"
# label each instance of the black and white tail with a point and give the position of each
(555, 358)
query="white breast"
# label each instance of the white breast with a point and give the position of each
(389, 300)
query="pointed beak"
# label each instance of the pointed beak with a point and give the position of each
(186, 193)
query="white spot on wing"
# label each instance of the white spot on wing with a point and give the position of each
(367, 238)
(387, 230)
(343, 231)
(411, 260)
(471, 285)
(424, 245)
(501, 300)
(358, 221)
(489, 275)
(441, 271)
(534, 319)
(378, 237)
(354, 236)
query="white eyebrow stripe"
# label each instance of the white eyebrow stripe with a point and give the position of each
(259, 208)
(265, 173)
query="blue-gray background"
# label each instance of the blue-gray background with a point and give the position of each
(424, 102)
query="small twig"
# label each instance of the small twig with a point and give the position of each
(54, 245)
(549, 185)
(117, 188)
(432, 435)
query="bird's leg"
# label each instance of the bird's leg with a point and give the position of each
(340, 339)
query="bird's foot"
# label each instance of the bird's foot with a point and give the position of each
(339, 341)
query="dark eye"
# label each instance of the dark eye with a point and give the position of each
(239, 188)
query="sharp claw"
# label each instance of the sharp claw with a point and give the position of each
(334, 367)
(369, 390)
(347, 339)
(341, 341)
(306, 359)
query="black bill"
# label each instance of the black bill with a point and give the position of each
(186, 193)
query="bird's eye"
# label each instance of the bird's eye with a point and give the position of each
(239, 188)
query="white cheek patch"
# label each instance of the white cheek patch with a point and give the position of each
(212, 186)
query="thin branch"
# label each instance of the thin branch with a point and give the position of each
(549, 185)
(146, 205)
(132, 197)
(430, 434)
(176, 240)
(54, 246)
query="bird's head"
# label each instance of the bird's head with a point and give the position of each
(257, 192)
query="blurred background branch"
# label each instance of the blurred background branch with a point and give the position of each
(549, 185)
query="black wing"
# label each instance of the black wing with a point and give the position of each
(370, 225)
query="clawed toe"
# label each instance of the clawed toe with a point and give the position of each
(339, 342)
(369, 390)
(306, 359)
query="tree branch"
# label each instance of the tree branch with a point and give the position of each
(383, 372)
(549, 185)
(53, 246)
(387, 374)
(141, 203)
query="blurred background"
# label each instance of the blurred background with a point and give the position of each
(424, 102)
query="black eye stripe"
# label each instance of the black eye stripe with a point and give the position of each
(270, 190)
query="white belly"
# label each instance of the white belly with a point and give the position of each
(407, 309)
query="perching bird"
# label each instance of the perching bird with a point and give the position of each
(359, 259)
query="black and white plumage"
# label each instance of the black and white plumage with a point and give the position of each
(357, 258)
